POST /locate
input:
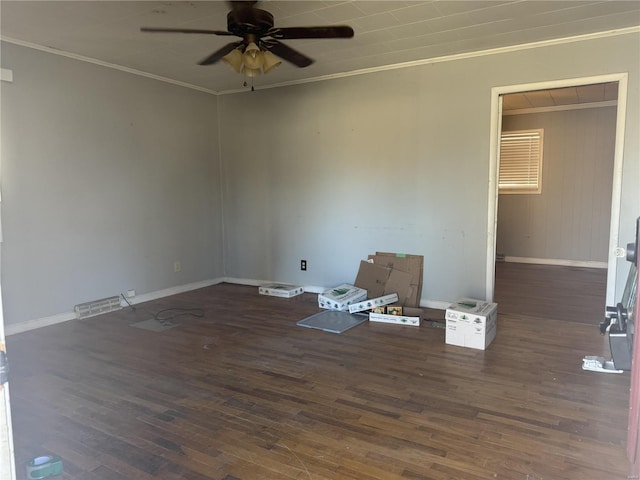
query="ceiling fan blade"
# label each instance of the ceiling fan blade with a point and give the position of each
(218, 54)
(287, 53)
(330, 31)
(184, 30)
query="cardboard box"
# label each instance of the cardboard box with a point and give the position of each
(373, 303)
(412, 316)
(341, 297)
(280, 290)
(471, 323)
(372, 278)
(405, 277)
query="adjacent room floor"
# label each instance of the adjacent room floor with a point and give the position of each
(241, 392)
(572, 294)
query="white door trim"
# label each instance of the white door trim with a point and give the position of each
(494, 152)
(7, 454)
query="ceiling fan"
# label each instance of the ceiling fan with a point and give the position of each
(260, 39)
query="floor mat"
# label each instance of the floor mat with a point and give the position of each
(333, 321)
(155, 325)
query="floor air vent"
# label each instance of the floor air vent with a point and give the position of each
(97, 307)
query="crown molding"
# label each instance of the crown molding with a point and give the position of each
(450, 58)
(114, 66)
(364, 71)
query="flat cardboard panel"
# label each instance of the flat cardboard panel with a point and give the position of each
(372, 278)
(400, 282)
(407, 263)
(411, 264)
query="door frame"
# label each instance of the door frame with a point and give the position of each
(494, 156)
(7, 453)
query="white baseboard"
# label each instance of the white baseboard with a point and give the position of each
(245, 281)
(556, 261)
(13, 328)
(167, 292)
(257, 283)
(314, 289)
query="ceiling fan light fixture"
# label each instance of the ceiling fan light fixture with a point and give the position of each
(252, 57)
(234, 60)
(251, 72)
(270, 61)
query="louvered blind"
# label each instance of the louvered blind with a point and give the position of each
(521, 161)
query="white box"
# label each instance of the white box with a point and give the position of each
(341, 297)
(373, 302)
(280, 290)
(399, 319)
(471, 323)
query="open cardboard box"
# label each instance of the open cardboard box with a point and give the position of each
(387, 273)
(372, 303)
(383, 279)
(410, 316)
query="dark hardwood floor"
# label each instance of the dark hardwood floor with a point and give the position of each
(243, 393)
(572, 294)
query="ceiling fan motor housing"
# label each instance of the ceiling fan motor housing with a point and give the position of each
(249, 21)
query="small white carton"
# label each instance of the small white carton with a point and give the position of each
(399, 319)
(373, 302)
(471, 323)
(280, 290)
(339, 298)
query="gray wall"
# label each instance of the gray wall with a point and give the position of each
(395, 161)
(107, 179)
(570, 219)
(355, 165)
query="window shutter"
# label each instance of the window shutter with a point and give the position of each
(521, 161)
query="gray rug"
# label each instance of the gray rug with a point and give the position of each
(333, 321)
(155, 325)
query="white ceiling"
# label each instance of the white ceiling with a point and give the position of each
(386, 32)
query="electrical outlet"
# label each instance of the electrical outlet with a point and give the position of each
(131, 293)
(303, 264)
(176, 266)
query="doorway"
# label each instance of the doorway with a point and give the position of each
(602, 258)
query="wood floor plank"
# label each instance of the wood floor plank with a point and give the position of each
(242, 393)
